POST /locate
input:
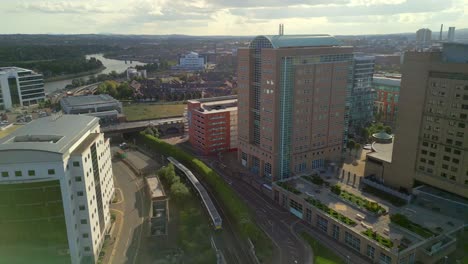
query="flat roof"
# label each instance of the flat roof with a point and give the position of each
(383, 80)
(417, 214)
(73, 101)
(85, 143)
(13, 68)
(155, 187)
(213, 99)
(382, 151)
(62, 130)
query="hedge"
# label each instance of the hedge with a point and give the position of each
(236, 208)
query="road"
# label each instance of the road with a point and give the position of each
(134, 208)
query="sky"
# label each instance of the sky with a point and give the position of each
(229, 17)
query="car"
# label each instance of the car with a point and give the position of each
(123, 145)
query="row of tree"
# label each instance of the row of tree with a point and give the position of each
(178, 190)
(115, 89)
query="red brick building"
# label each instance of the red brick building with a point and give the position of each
(213, 124)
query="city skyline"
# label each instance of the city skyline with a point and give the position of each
(210, 17)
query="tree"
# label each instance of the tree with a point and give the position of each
(357, 147)
(179, 191)
(149, 131)
(388, 129)
(350, 145)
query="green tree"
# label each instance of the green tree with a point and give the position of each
(179, 191)
(388, 129)
(350, 145)
(357, 147)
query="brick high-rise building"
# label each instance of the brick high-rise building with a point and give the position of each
(292, 103)
(431, 142)
(213, 124)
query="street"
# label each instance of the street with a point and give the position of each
(134, 208)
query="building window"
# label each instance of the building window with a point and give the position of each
(84, 221)
(85, 235)
(384, 259)
(82, 207)
(322, 223)
(80, 193)
(336, 232)
(295, 205)
(31, 173)
(308, 215)
(51, 172)
(87, 249)
(18, 173)
(370, 251)
(352, 241)
(5, 174)
(78, 178)
(76, 164)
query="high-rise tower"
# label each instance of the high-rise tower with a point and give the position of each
(292, 103)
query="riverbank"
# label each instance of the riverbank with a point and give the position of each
(75, 75)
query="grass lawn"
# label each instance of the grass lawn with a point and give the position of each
(322, 254)
(141, 111)
(6, 132)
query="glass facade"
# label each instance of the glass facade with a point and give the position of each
(286, 118)
(361, 98)
(97, 186)
(14, 93)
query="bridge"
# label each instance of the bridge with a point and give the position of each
(173, 125)
(209, 205)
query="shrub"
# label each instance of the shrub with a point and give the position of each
(315, 179)
(288, 187)
(336, 189)
(404, 222)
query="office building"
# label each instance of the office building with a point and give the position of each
(192, 61)
(361, 99)
(423, 38)
(387, 92)
(212, 124)
(451, 34)
(103, 106)
(431, 139)
(292, 102)
(20, 87)
(56, 185)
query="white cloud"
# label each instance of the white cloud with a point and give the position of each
(230, 17)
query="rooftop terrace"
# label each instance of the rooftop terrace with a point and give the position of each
(432, 223)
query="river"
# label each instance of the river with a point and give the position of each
(110, 64)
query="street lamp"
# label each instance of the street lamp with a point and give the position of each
(347, 260)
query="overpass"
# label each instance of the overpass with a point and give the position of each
(173, 125)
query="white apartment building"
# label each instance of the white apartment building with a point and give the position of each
(56, 185)
(192, 61)
(20, 87)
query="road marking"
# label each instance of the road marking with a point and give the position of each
(117, 237)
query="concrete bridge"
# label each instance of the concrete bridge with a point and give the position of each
(167, 126)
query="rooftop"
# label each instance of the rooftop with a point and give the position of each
(436, 222)
(294, 41)
(87, 100)
(382, 151)
(385, 80)
(13, 68)
(52, 134)
(155, 187)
